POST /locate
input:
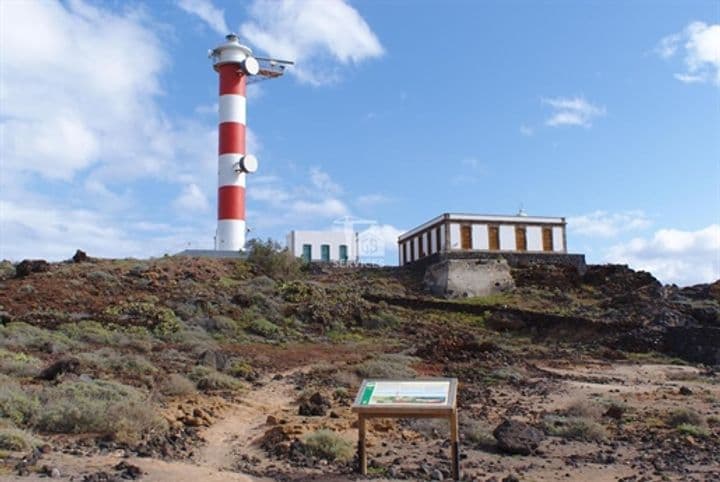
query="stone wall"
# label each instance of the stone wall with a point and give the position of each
(515, 260)
(460, 278)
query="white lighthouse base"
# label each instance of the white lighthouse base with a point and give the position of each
(230, 235)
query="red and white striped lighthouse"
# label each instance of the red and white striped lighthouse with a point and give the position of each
(234, 63)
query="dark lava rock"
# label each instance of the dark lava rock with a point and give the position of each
(128, 471)
(615, 411)
(27, 266)
(315, 406)
(515, 437)
(80, 256)
(67, 365)
(685, 390)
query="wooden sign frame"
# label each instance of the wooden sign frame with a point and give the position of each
(405, 409)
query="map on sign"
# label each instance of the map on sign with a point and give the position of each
(388, 393)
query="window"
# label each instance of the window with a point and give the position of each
(307, 253)
(493, 238)
(343, 253)
(547, 239)
(325, 252)
(520, 238)
(466, 237)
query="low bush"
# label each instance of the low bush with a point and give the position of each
(17, 440)
(103, 407)
(387, 366)
(266, 257)
(684, 416)
(15, 404)
(576, 428)
(694, 430)
(584, 409)
(208, 379)
(477, 434)
(177, 385)
(18, 364)
(20, 335)
(328, 445)
(263, 327)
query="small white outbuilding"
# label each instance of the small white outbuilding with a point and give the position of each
(323, 246)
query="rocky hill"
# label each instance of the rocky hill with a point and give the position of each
(183, 368)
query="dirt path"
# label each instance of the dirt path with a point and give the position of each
(234, 434)
(245, 423)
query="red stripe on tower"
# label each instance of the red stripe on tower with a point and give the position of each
(231, 138)
(231, 202)
(231, 80)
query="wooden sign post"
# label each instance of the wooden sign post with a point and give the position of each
(420, 398)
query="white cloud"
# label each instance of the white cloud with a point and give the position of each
(192, 199)
(54, 232)
(526, 130)
(322, 181)
(606, 225)
(572, 111)
(701, 49)
(367, 200)
(673, 255)
(316, 34)
(78, 90)
(211, 15)
(325, 208)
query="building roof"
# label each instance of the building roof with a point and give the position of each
(494, 218)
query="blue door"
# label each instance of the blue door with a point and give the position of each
(307, 253)
(343, 253)
(325, 253)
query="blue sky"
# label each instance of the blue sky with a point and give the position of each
(607, 113)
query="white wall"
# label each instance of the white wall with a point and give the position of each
(296, 240)
(533, 235)
(507, 238)
(433, 242)
(480, 236)
(454, 236)
(442, 238)
(558, 241)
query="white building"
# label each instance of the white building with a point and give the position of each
(324, 246)
(483, 233)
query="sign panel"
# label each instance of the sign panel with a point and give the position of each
(415, 393)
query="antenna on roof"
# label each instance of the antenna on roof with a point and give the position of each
(521, 212)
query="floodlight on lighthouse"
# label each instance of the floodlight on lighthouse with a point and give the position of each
(248, 163)
(236, 67)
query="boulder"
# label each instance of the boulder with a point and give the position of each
(28, 266)
(515, 437)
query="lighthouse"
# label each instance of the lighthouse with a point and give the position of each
(234, 63)
(236, 67)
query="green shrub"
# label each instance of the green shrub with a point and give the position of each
(18, 364)
(584, 409)
(208, 379)
(575, 428)
(16, 405)
(21, 335)
(177, 385)
(267, 258)
(328, 445)
(17, 440)
(694, 430)
(160, 319)
(263, 327)
(684, 416)
(241, 369)
(98, 406)
(477, 434)
(89, 331)
(387, 366)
